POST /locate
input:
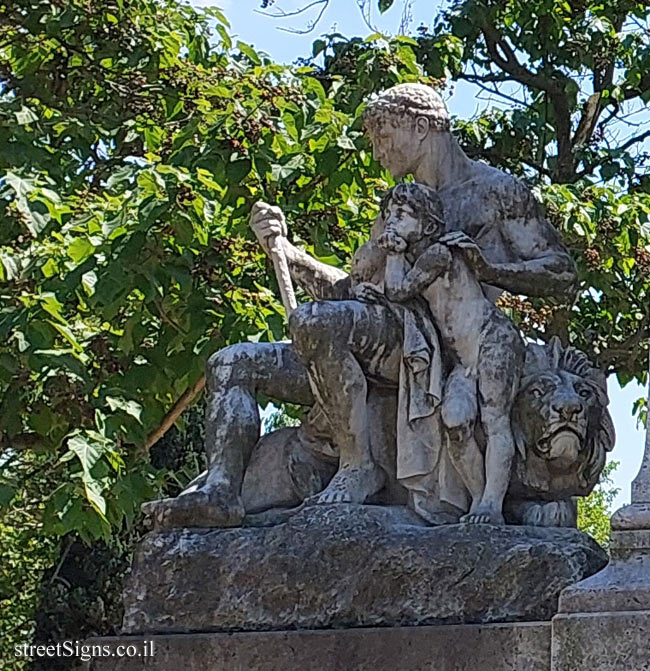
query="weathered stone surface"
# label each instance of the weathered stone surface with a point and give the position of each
(624, 585)
(604, 620)
(332, 566)
(608, 641)
(503, 647)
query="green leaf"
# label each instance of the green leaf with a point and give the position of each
(7, 494)
(49, 268)
(129, 407)
(318, 47)
(345, 143)
(52, 306)
(225, 38)
(80, 249)
(237, 170)
(67, 333)
(206, 178)
(93, 491)
(314, 86)
(248, 51)
(34, 219)
(25, 116)
(209, 210)
(87, 448)
(385, 5)
(8, 267)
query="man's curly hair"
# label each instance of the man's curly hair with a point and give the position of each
(407, 101)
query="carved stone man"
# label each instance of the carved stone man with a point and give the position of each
(341, 344)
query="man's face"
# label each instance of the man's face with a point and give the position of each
(397, 148)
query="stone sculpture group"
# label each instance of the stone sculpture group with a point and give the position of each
(420, 391)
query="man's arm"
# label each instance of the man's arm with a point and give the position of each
(544, 266)
(550, 274)
(318, 279)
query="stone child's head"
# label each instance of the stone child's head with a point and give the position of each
(413, 212)
(399, 121)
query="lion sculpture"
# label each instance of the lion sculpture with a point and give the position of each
(563, 431)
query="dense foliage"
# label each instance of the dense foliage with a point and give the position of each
(594, 511)
(136, 134)
(132, 152)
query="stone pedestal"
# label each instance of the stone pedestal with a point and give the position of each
(343, 566)
(348, 588)
(604, 621)
(497, 647)
(604, 641)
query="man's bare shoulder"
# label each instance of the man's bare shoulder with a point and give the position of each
(488, 186)
(493, 207)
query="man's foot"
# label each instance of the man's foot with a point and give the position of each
(352, 484)
(484, 514)
(205, 507)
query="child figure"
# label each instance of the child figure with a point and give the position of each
(485, 349)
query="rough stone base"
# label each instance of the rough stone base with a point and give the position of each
(341, 566)
(497, 647)
(601, 641)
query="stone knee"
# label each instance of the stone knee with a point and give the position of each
(233, 366)
(459, 408)
(459, 437)
(314, 328)
(459, 420)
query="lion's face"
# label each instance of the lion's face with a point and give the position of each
(556, 411)
(562, 429)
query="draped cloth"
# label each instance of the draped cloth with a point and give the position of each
(419, 431)
(423, 465)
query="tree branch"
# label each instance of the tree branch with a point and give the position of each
(495, 91)
(591, 166)
(172, 416)
(593, 107)
(634, 140)
(504, 56)
(281, 14)
(591, 111)
(485, 78)
(627, 351)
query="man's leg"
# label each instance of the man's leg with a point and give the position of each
(235, 375)
(340, 342)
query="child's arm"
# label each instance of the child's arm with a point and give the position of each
(367, 262)
(397, 286)
(403, 281)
